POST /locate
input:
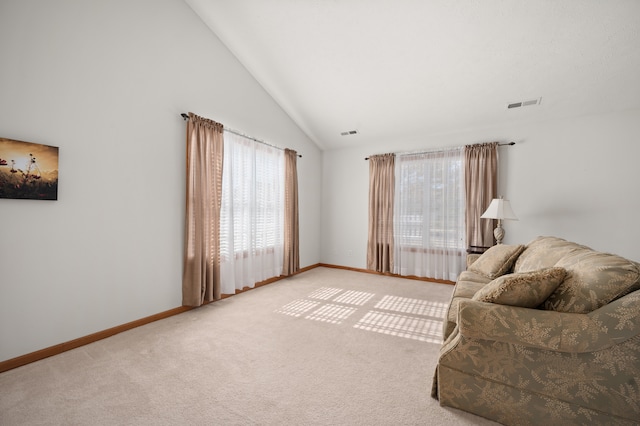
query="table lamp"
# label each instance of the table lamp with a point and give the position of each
(499, 209)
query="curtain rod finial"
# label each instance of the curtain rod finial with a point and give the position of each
(185, 116)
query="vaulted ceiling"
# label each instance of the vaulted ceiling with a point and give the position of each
(404, 69)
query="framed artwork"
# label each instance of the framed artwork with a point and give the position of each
(28, 170)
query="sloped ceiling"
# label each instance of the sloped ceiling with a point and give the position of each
(403, 69)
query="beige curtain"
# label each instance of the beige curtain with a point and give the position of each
(201, 273)
(481, 186)
(291, 224)
(381, 189)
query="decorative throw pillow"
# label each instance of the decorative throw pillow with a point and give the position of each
(594, 279)
(497, 261)
(526, 289)
(544, 252)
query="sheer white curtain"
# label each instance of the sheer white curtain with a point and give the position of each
(252, 213)
(429, 214)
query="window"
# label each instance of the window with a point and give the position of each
(252, 213)
(429, 214)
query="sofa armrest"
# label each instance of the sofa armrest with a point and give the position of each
(556, 331)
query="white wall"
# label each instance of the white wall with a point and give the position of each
(572, 178)
(106, 81)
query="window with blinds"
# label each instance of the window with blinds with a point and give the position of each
(429, 214)
(252, 212)
(430, 201)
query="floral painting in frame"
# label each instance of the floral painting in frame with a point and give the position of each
(28, 170)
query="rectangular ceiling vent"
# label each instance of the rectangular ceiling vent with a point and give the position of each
(525, 103)
(349, 132)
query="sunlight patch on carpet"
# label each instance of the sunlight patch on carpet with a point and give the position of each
(405, 317)
(333, 314)
(297, 307)
(412, 306)
(325, 293)
(352, 297)
(426, 330)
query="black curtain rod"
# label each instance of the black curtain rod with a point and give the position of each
(185, 117)
(408, 153)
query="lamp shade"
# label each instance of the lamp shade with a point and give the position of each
(499, 209)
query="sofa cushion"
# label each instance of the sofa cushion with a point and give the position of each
(497, 260)
(593, 280)
(467, 285)
(527, 289)
(544, 252)
(473, 277)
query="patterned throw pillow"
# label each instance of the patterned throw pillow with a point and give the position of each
(593, 280)
(544, 252)
(526, 289)
(497, 261)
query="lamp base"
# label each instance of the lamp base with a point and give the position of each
(499, 232)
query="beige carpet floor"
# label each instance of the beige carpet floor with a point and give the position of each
(325, 347)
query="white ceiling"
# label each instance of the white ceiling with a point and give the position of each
(403, 69)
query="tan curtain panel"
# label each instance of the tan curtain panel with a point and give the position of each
(291, 223)
(381, 189)
(481, 186)
(200, 280)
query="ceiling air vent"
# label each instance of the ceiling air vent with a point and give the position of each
(349, 132)
(525, 103)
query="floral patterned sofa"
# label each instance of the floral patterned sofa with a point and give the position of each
(547, 333)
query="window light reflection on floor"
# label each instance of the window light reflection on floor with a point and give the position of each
(297, 307)
(423, 329)
(415, 319)
(351, 297)
(333, 314)
(325, 293)
(412, 306)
